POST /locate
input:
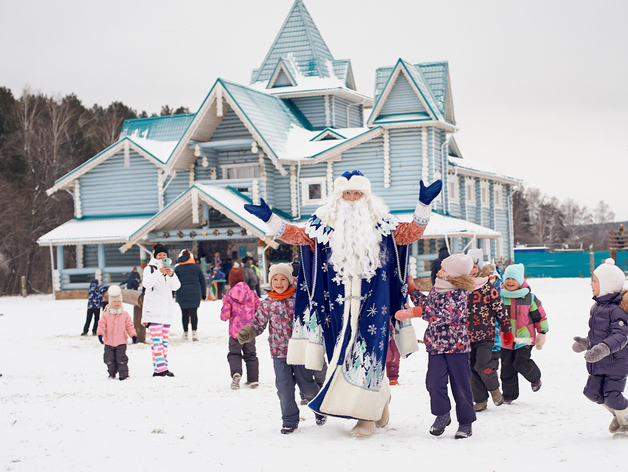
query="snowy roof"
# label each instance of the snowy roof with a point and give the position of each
(93, 231)
(158, 128)
(486, 171)
(302, 144)
(441, 226)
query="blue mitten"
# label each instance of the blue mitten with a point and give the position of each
(100, 339)
(427, 194)
(134, 339)
(263, 211)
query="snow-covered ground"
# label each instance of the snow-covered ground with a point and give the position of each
(60, 412)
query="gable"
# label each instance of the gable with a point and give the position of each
(403, 99)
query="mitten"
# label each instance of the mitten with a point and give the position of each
(540, 341)
(246, 334)
(597, 353)
(409, 312)
(411, 286)
(427, 194)
(262, 211)
(509, 338)
(134, 339)
(100, 339)
(581, 344)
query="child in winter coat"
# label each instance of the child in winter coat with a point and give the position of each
(529, 324)
(447, 343)
(113, 328)
(607, 345)
(277, 311)
(485, 307)
(94, 304)
(238, 307)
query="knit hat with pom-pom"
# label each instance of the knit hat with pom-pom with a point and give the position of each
(284, 269)
(610, 276)
(114, 293)
(457, 265)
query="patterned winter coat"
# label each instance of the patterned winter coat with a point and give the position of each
(239, 306)
(114, 328)
(526, 314)
(446, 314)
(279, 316)
(95, 294)
(484, 307)
(608, 324)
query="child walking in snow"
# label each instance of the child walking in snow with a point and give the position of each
(447, 343)
(606, 345)
(238, 307)
(485, 308)
(529, 324)
(94, 304)
(113, 328)
(277, 311)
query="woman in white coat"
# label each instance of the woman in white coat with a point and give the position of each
(158, 307)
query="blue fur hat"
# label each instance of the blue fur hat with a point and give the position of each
(515, 271)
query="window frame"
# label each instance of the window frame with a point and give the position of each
(305, 194)
(226, 167)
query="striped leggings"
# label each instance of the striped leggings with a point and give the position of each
(159, 345)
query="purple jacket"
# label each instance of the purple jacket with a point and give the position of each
(608, 324)
(446, 314)
(239, 306)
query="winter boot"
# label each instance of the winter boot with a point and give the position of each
(320, 419)
(614, 426)
(363, 429)
(622, 419)
(185, 336)
(497, 396)
(393, 382)
(464, 431)
(252, 384)
(536, 386)
(287, 429)
(481, 406)
(194, 336)
(383, 421)
(440, 423)
(235, 383)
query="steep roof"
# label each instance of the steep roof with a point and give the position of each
(299, 36)
(157, 128)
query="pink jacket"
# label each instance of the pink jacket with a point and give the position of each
(239, 306)
(114, 328)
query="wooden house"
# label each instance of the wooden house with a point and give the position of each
(183, 180)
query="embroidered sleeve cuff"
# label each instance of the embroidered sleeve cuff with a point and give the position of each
(276, 226)
(422, 214)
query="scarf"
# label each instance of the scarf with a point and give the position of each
(480, 282)
(442, 286)
(282, 296)
(113, 311)
(520, 293)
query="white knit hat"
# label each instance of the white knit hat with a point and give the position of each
(477, 255)
(610, 276)
(284, 269)
(354, 180)
(457, 265)
(114, 293)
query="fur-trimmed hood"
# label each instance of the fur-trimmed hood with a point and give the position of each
(624, 301)
(465, 282)
(486, 270)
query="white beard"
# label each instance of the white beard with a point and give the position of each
(355, 242)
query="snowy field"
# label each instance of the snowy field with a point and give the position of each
(60, 412)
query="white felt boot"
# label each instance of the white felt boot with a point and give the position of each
(614, 426)
(622, 419)
(383, 421)
(363, 429)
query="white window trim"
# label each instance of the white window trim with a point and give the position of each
(498, 190)
(305, 194)
(469, 182)
(454, 182)
(485, 189)
(225, 169)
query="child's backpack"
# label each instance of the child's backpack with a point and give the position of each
(140, 299)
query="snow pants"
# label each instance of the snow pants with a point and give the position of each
(392, 360)
(455, 367)
(247, 351)
(189, 315)
(91, 313)
(483, 370)
(607, 390)
(159, 334)
(117, 361)
(515, 362)
(286, 377)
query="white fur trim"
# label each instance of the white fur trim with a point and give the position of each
(303, 352)
(422, 214)
(276, 225)
(357, 182)
(406, 341)
(296, 351)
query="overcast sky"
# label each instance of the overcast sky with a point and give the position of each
(540, 88)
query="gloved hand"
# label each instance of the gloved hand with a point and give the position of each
(409, 312)
(540, 341)
(246, 334)
(581, 344)
(100, 339)
(427, 194)
(262, 211)
(411, 286)
(509, 338)
(134, 339)
(597, 352)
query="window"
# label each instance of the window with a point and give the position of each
(454, 190)
(485, 195)
(499, 195)
(313, 191)
(469, 187)
(241, 171)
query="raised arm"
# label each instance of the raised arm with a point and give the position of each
(289, 234)
(407, 233)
